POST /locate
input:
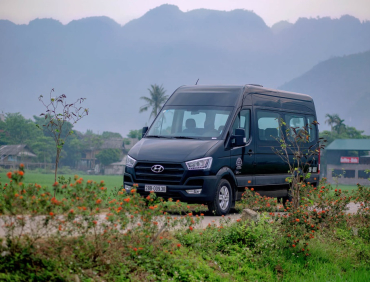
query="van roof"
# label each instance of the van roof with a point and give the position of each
(248, 88)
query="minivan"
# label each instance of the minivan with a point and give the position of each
(210, 142)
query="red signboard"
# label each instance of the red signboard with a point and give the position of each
(349, 160)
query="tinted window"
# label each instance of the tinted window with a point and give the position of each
(204, 98)
(311, 128)
(268, 125)
(243, 121)
(191, 121)
(295, 125)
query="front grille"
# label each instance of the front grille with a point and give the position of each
(172, 173)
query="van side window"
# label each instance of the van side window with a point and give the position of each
(295, 124)
(268, 125)
(311, 128)
(243, 120)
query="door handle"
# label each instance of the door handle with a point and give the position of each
(250, 152)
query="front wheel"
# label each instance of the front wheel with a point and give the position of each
(222, 201)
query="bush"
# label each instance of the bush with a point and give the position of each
(97, 233)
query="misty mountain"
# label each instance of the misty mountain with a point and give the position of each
(339, 86)
(112, 65)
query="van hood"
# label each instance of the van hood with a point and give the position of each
(171, 150)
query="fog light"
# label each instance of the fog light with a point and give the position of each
(128, 187)
(194, 191)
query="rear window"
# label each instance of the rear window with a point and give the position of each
(312, 130)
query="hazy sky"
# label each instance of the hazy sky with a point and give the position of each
(122, 11)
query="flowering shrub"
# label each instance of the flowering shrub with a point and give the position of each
(255, 201)
(319, 208)
(362, 198)
(85, 223)
(104, 234)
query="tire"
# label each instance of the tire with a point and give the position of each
(222, 201)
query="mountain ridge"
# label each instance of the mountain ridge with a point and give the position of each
(113, 65)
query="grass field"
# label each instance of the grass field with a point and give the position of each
(111, 181)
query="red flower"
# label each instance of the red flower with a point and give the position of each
(127, 200)
(55, 183)
(297, 220)
(21, 165)
(135, 249)
(191, 228)
(178, 245)
(98, 201)
(21, 173)
(9, 175)
(293, 246)
(51, 213)
(252, 189)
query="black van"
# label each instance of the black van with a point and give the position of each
(209, 142)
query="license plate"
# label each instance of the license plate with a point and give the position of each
(155, 188)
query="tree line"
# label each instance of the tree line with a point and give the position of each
(16, 129)
(339, 130)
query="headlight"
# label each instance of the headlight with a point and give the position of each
(130, 162)
(199, 164)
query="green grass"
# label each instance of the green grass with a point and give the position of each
(346, 187)
(47, 180)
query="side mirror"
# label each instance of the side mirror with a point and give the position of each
(145, 129)
(239, 137)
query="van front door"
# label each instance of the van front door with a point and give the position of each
(242, 158)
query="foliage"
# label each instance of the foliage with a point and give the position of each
(155, 101)
(108, 156)
(43, 144)
(17, 130)
(88, 232)
(108, 135)
(135, 133)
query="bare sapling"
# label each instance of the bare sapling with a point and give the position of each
(299, 150)
(57, 116)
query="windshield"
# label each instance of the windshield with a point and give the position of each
(199, 122)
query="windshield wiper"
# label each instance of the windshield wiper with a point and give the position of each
(158, 136)
(185, 137)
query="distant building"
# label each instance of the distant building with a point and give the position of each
(89, 161)
(2, 117)
(11, 155)
(347, 161)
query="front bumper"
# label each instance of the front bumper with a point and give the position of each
(178, 192)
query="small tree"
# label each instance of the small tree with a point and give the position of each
(108, 156)
(297, 152)
(58, 113)
(135, 133)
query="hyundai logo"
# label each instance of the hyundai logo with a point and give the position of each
(157, 168)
